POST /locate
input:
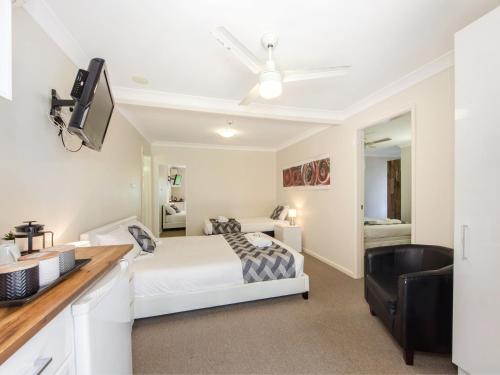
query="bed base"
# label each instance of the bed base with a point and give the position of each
(145, 307)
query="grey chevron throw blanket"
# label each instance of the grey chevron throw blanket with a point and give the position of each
(261, 264)
(231, 226)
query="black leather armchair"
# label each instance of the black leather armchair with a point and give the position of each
(410, 288)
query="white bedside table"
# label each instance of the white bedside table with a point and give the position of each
(290, 235)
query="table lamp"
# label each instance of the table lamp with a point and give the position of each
(292, 214)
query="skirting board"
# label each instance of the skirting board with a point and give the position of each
(168, 304)
(330, 263)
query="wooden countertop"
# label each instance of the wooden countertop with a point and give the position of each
(19, 324)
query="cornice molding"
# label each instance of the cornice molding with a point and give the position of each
(421, 74)
(212, 146)
(41, 12)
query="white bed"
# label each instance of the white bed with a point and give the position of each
(188, 273)
(251, 224)
(177, 220)
(387, 234)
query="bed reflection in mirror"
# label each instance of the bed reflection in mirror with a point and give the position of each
(172, 200)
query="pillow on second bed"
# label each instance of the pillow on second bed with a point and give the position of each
(280, 213)
(170, 210)
(283, 215)
(276, 213)
(143, 239)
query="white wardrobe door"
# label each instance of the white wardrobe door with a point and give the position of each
(476, 325)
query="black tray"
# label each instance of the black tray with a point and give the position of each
(79, 263)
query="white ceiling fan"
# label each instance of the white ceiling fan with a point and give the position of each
(372, 144)
(271, 79)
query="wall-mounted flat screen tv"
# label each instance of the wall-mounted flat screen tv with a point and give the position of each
(94, 105)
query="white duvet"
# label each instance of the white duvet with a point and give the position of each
(251, 224)
(177, 218)
(391, 230)
(193, 263)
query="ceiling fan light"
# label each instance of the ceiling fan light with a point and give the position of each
(270, 85)
(270, 89)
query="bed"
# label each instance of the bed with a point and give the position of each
(188, 273)
(173, 221)
(384, 233)
(251, 224)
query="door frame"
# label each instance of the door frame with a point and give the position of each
(146, 196)
(360, 186)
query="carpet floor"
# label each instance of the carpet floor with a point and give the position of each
(173, 233)
(332, 332)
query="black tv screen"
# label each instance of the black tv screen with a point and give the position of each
(94, 105)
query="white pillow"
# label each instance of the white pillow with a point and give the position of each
(120, 237)
(170, 210)
(284, 213)
(143, 227)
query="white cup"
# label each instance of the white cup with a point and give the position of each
(9, 253)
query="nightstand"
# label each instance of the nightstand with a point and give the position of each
(290, 235)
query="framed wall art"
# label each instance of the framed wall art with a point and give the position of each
(309, 174)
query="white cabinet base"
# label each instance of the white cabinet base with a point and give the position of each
(51, 348)
(290, 235)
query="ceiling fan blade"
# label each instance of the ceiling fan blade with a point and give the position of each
(378, 141)
(251, 96)
(305, 74)
(232, 44)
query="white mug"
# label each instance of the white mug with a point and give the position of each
(9, 253)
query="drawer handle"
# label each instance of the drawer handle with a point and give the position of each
(41, 364)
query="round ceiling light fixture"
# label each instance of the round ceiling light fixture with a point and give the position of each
(228, 131)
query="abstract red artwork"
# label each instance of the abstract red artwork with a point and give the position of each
(314, 173)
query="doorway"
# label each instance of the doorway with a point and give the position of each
(386, 183)
(172, 200)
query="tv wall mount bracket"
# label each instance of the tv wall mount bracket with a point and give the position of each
(76, 92)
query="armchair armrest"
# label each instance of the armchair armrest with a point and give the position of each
(424, 312)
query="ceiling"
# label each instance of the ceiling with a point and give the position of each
(189, 127)
(397, 128)
(169, 43)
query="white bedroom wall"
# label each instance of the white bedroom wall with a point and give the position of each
(68, 192)
(376, 186)
(406, 184)
(329, 217)
(221, 182)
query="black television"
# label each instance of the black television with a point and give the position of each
(94, 104)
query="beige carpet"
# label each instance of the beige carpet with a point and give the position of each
(332, 332)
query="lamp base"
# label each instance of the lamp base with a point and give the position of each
(292, 221)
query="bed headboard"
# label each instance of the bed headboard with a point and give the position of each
(90, 235)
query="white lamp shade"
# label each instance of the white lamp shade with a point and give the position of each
(292, 212)
(270, 89)
(270, 84)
